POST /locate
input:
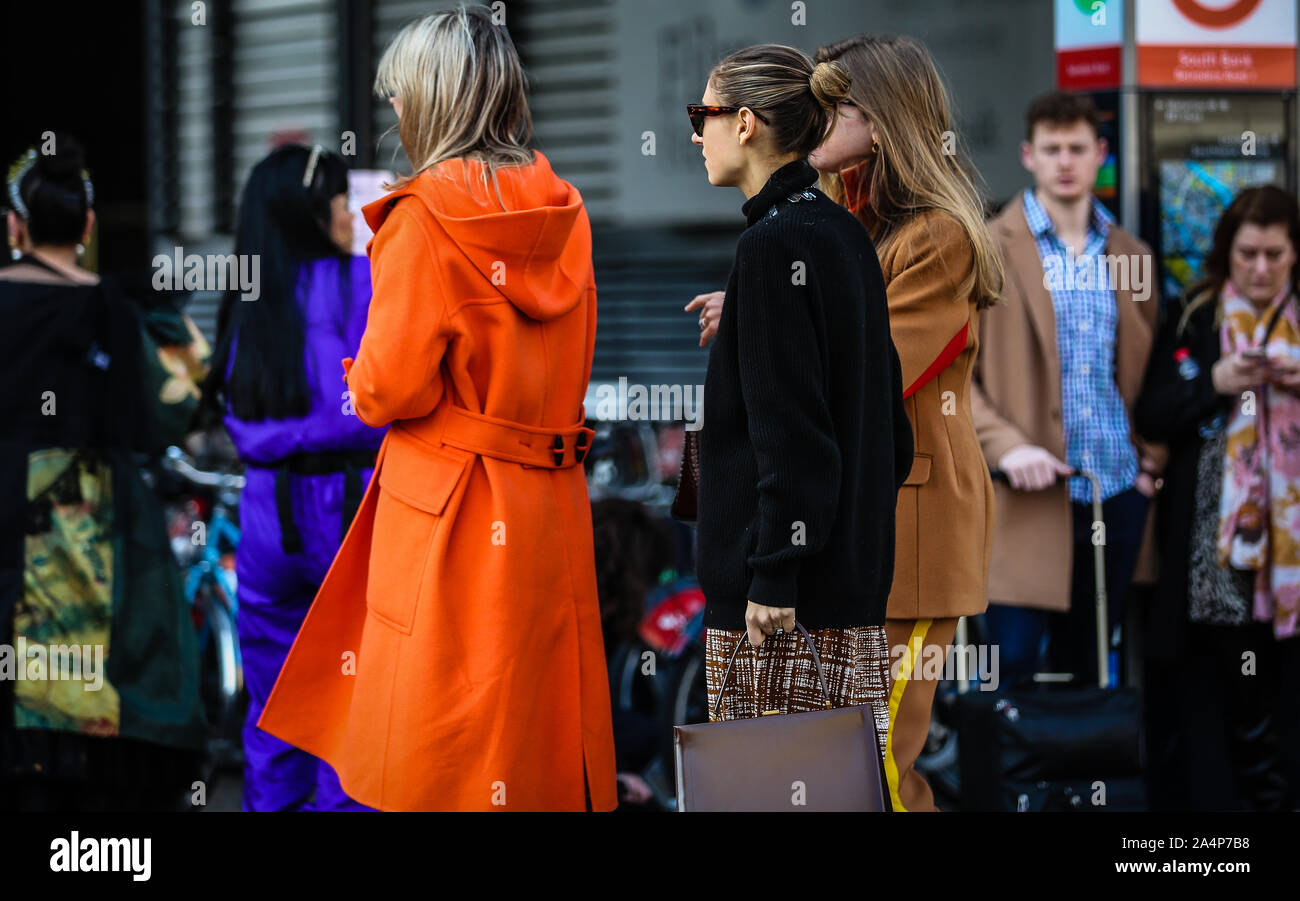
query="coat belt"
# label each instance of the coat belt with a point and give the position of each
(350, 463)
(548, 448)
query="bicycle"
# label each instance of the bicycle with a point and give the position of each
(205, 551)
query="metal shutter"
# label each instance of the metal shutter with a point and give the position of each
(282, 79)
(643, 276)
(643, 279)
(567, 47)
(195, 180)
(284, 75)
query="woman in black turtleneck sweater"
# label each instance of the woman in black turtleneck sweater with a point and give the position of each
(806, 439)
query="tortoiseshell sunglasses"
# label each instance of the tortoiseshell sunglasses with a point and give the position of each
(698, 113)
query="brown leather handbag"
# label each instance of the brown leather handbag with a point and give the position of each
(686, 502)
(817, 761)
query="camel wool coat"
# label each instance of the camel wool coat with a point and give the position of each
(944, 517)
(1017, 400)
(453, 657)
(945, 507)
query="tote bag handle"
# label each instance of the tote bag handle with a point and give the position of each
(744, 639)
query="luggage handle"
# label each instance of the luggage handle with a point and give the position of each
(744, 638)
(1099, 571)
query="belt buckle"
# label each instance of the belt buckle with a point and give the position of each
(557, 451)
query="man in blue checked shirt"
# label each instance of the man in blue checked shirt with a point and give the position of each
(1060, 366)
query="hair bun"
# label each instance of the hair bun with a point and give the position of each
(65, 165)
(51, 192)
(829, 83)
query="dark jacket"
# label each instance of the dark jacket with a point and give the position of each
(82, 345)
(806, 441)
(1177, 403)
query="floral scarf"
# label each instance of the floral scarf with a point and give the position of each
(1259, 510)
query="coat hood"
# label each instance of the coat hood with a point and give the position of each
(536, 252)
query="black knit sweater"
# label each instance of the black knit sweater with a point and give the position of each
(805, 440)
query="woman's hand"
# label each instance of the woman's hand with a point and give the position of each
(1284, 372)
(1148, 479)
(710, 313)
(634, 789)
(1146, 485)
(762, 621)
(1238, 372)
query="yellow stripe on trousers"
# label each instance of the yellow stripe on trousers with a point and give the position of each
(914, 645)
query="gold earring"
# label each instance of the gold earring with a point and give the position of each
(875, 148)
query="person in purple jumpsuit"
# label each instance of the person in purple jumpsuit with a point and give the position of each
(308, 457)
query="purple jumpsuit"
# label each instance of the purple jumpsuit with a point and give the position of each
(278, 582)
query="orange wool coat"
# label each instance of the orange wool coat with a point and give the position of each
(453, 657)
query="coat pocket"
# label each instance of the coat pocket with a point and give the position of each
(920, 473)
(415, 482)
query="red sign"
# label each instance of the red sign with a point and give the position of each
(1242, 44)
(1088, 68)
(1226, 67)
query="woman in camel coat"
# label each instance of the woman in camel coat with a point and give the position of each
(452, 659)
(920, 203)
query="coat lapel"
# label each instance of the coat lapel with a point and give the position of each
(1026, 270)
(1133, 332)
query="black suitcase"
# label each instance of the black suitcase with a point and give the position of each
(1055, 747)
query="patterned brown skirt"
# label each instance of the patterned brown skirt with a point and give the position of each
(855, 661)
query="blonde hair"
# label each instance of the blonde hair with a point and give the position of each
(918, 166)
(462, 87)
(783, 82)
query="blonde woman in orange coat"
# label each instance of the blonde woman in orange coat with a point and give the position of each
(473, 675)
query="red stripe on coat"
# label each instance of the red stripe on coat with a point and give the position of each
(942, 362)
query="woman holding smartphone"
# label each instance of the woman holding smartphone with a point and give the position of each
(807, 441)
(1223, 390)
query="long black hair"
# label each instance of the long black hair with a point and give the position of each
(286, 225)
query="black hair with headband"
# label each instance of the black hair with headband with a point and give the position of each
(51, 192)
(284, 220)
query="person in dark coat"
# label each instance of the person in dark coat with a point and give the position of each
(112, 720)
(806, 440)
(1222, 670)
